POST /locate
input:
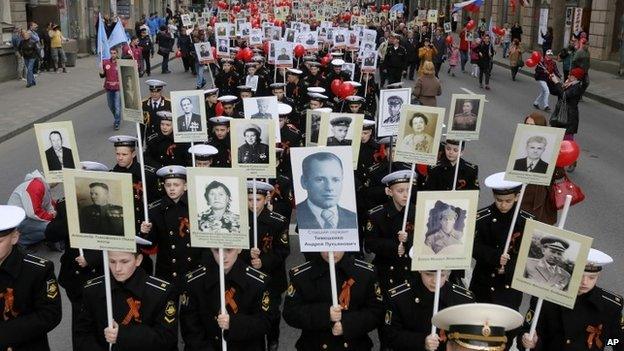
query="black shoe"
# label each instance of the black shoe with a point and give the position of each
(547, 109)
(116, 126)
(536, 106)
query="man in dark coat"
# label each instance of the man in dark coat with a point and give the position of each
(57, 155)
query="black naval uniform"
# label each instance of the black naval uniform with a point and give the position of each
(257, 153)
(384, 222)
(227, 82)
(309, 297)
(409, 308)
(151, 120)
(282, 197)
(106, 219)
(297, 92)
(144, 307)
(31, 300)
(332, 141)
(491, 231)
(441, 176)
(163, 151)
(291, 137)
(249, 305)
(170, 231)
(221, 159)
(595, 320)
(395, 62)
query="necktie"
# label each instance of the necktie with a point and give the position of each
(530, 168)
(330, 219)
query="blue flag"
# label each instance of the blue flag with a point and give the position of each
(118, 36)
(103, 48)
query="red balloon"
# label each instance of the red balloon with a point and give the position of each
(346, 17)
(373, 8)
(530, 63)
(568, 153)
(325, 60)
(449, 40)
(246, 54)
(219, 109)
(422, 169)
(236, 8)
(299, 50)
(335, 85)
(536, 56)
(471, 25)
(345, 89)
(178, 54)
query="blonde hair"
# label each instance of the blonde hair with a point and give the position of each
(428, 68)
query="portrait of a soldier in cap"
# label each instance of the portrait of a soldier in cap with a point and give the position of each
(394, 109)
(549, 269)
(340, 130)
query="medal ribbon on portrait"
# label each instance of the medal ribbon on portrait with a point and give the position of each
(345, 294)
(229, 300)
(133, 313)
(594, 335)
(9, 299)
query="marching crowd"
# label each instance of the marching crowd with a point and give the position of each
(168, 292)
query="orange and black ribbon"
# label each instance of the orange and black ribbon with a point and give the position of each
(133, 313)
(183, 227)
(138, 189)
(594, 336)
(267, 243)
(345, 294)
(170, 149)
(229, 300)
(380, 154)
(9, 300)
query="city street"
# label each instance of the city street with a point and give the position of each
(600, 168)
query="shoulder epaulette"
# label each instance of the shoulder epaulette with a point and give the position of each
(190, 276)
(157, 283)
(461, 290)
(292, 128)
(399, 289)
(166, 99)
(526, 215)
(375, 209)
(34, 260)
(149, 169)
(94, 281)
(300, 268)
(255, 274)
(152, 136)
(364, 264)
(146, 99)
(473, 166)
(152, 205)
(374, 167)
(483, 213)
(277, 216)
(612, 297)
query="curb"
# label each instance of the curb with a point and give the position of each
(606, 101)
(51, 115)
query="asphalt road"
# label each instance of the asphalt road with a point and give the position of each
(600, 171)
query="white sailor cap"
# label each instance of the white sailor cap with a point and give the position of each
(478, 326)
(227, 99)
(212, 91)
(140, 241)
(172, 171)
(323, 109)
(262, 188)
(123, 140)
(397, 177)
(337, 62)
(355, 99)
(394, 85)
(596, 259)
(283, 109)
(220, 120)
(317, 96)
(318, 90)
(275, 86)
(354, 83)
(165, 115)
(155, 83)
(10, 218)
(93, 166)
(500, 186)
(367, 124)
(337, 54)
(203, 151)
(295, 71)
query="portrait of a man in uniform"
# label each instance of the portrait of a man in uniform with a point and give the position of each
(253, 150)
(466, 119)
(263, 110)
(57, 155)
(101, 217)
(218, 217)
(445, 226)
(339, 130)
(549, 269)
(394, 109)
(189, 121)
(322, 176)
(535, 147)
(283, 55)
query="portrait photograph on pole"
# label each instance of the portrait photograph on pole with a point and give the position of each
(420, 129)
(533, 155)
(57, 146)
(130, 91)
(342, 129)
(263, 108)
(325, 198)
(254, 143)
(100, 210)
(391, 102)
(189, 116)
(444, 229)
(551, 262)
(313, 124)
(218, 208)
(465, 117)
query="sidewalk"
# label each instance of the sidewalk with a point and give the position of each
(603, 87)
(54, 94)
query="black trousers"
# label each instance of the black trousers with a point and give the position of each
(514, 72)
(484, 70)
(394, 75)
(411, 68)
(148, 65)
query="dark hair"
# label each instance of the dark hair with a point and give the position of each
(319, 156)
(215, 185)
(101, 185)
(56, 132)
(186, 98)
(252, 129)
(418, 115)
(134, 37)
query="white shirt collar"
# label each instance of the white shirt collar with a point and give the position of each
(316, 211)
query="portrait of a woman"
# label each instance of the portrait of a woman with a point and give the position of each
(218, 218)
(418, 139)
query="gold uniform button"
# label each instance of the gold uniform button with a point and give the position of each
(188, 245)
(405, 267)
(391, 268)
(568, 341)
(324, 346)
(391, 281)
(492, 288)
(173, 260)
(506, 286)
(77, 272)
(172, 247)
(188, 259)
(493, 275)
(174, 274)
(346, 345)
(417, 300)
(171, 232)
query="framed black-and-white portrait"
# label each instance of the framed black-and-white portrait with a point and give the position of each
(551, 262)
(341, 129)
(100, 210)
(340, 38)
(256, 37)
(186, 20)
(204, 52)
(57, 146)
(391, 102)
(130, 91)
(283, 53)
(325, 198)
(313, 124)
(201, 22)
(310, 40)
(465, 117)
(444, 229)
(223, 47)
(533, 155)
(218, 208)
(369, 61)
(420, 129)
(349, 68)
(447, 27)
(244, 29)
(189, 116)
(222, 30)
(264, 107)
(353, 40)
(290, 35)
(254, 142)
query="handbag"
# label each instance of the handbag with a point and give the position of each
(563, 187)
(559, 117)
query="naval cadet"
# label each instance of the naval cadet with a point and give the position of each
(151, 105)
(203, 154)
(227, 79)
(441, 176)
(220, 139)
(161, 149)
